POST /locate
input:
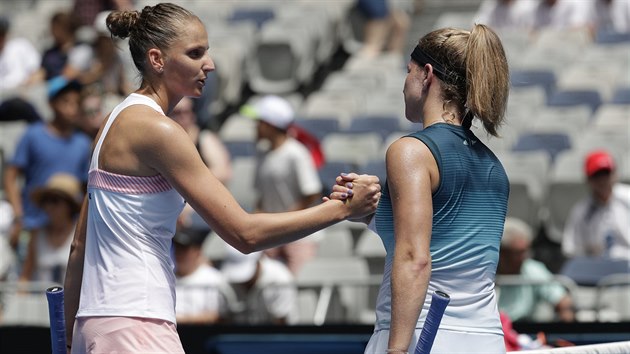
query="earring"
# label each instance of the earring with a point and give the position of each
(160, 69)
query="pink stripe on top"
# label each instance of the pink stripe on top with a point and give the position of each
(128, 184)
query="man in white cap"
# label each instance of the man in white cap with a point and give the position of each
(264, 286)
(286, 177)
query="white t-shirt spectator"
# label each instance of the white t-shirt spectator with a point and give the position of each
(274, 296)
(599, 230)
(18, 61)
(205, 290)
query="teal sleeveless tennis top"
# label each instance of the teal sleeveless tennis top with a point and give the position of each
(469, 209)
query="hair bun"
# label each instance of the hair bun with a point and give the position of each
(120, 23)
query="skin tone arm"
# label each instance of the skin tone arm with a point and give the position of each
(151, 143)
(181, 165)
(29, 261)
(564, 309)
(12, 192)
(412, 176)
(74, 272)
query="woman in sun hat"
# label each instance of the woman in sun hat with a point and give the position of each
(49, 246)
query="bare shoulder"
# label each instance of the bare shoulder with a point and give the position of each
(408, 149)
(410, 160)
(149, 128)
(142, 140)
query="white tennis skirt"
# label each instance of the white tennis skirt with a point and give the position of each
(446, 342)
(93, 335)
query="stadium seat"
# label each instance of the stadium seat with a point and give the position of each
(342, 105)
(240, 148)
(527, 172)
(241, 184)
(342, 283)
(572, 120)
(611, 37)
(548, 141)
(10, 134)
(355, 149)
(214, 249)
(256, 15)
(330, 171)
(614, 140)
(379, 124)
(375, 167)
(25, 309)
(283, 58)
(238, 128)
(370, 247)
(566, 188)
(336, 243)
(589, 271)
(621, 96)
(613, 292)
(533, 77)
(591, 98)
(322, 21)
(319, 127)
(614, 116)
(354, 80)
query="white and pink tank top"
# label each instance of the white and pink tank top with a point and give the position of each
(128, 269)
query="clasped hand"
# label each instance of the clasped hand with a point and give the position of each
(361, 192)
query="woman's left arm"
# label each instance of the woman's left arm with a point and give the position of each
(412, 175)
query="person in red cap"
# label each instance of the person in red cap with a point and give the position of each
(599, 225)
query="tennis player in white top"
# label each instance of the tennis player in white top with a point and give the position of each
(120, 282)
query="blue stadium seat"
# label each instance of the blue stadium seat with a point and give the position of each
(621, 96)
(319, 127)
(588, 271)
(377, 168)
(530, 77)
(610, 37)
(240, 148)
(330, 171)
(565, 98)
(551, 142)
(257, 16)
(374, 124)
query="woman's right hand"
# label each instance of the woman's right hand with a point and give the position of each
(361, 193)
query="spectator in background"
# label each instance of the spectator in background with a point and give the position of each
(203, 293)
(19, 60)
(286, 177)
(519, 302)
(46, 149)
(558, 14)
(212, 150)
(599, 226)
(92, 111)
(49, 245)
(386, 28)
(612, 16)
(88, 10)
(210, 147)
(500, 14)
(101, 64)
(17, 108)
(64, 49)
(7, 256)
(264, 286)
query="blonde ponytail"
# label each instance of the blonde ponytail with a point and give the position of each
(487, 78)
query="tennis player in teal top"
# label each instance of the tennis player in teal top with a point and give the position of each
(442, 211)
